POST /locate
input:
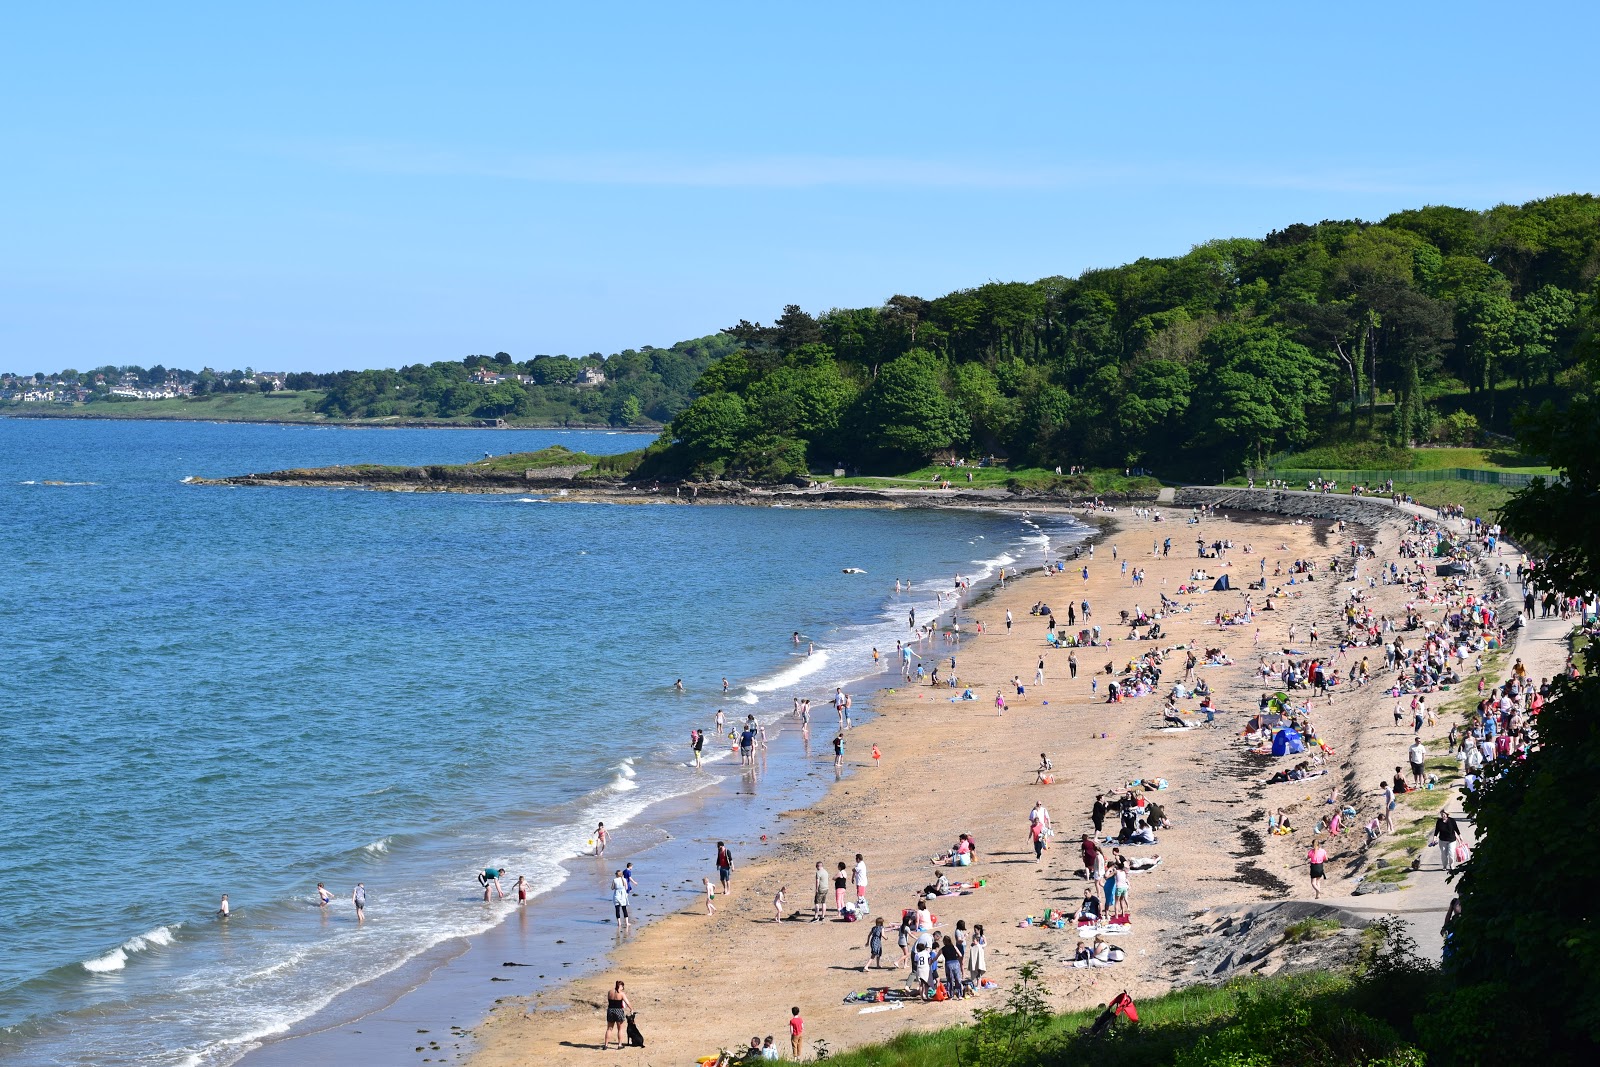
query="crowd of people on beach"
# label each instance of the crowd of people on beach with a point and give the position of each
(1441, 639)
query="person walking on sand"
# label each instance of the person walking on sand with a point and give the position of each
(1008, 622)
(711, 896)
(876, 755)
(617, 1011)
(819, 897)
(725, 868)
(840, 880)
(1317, 857)
(903, 940)
(358, 897)
(1387, 789)
(777, 904)
(999, 702)
(1072, 664)
(874, 945)
(859, 876)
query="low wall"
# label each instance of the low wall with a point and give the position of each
(1365, 510)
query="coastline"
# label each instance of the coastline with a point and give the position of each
(441, 996)
(702, 982)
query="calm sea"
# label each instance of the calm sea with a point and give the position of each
(248, 691)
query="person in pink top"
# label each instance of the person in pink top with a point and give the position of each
(1317, 856)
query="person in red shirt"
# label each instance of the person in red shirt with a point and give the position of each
(797, 1027)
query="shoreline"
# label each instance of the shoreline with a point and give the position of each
(900, 817)
(440, 995)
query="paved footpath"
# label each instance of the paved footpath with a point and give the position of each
(1426, 894)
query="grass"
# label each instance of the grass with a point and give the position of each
(1501, 459)
(1387, 874)
(1170, 1025)
(1311, 929)
(1427, 799)
(1032, 479)
(288, 406)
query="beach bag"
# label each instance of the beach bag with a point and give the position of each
(1116, 955)
(1463, 853)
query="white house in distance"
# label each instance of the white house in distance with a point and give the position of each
(591, 376)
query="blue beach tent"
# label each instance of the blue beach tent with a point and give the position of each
(1287, 742)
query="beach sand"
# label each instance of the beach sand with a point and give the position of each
(700, 983)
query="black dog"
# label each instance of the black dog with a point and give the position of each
(635, 1038)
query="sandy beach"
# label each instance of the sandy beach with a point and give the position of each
(702, 982)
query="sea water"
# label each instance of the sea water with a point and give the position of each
(249, 690)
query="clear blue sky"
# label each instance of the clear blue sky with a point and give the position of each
(313, 187)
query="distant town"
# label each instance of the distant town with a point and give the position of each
(135, 383)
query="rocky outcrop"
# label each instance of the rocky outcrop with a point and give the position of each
(1365, 510)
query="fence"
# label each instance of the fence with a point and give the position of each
(1293, 475)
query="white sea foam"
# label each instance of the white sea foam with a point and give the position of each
(791, 676)
(378, 847)
(114, 960)
(117, 958)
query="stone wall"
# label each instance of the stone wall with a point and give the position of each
(1365, 510)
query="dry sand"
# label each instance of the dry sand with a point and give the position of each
(700, 983)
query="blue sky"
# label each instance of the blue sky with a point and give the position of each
(313, 187)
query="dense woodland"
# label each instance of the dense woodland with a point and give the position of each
(1200, 363)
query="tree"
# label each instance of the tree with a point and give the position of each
(1508, 942)
(1257, 392)
(626, 411)
(1154, 406)
(710, 428)
(905, 414)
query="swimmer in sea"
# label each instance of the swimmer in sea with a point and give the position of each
(223, 910)
(724, 683)
(797, 637)
(678, 685)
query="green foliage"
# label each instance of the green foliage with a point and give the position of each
(905, 413)
(1001, 1037)
(1510, 938)
(1459, 428)
(1233, 350)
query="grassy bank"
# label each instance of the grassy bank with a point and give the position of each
(1313, 1017)
(1025, 479)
